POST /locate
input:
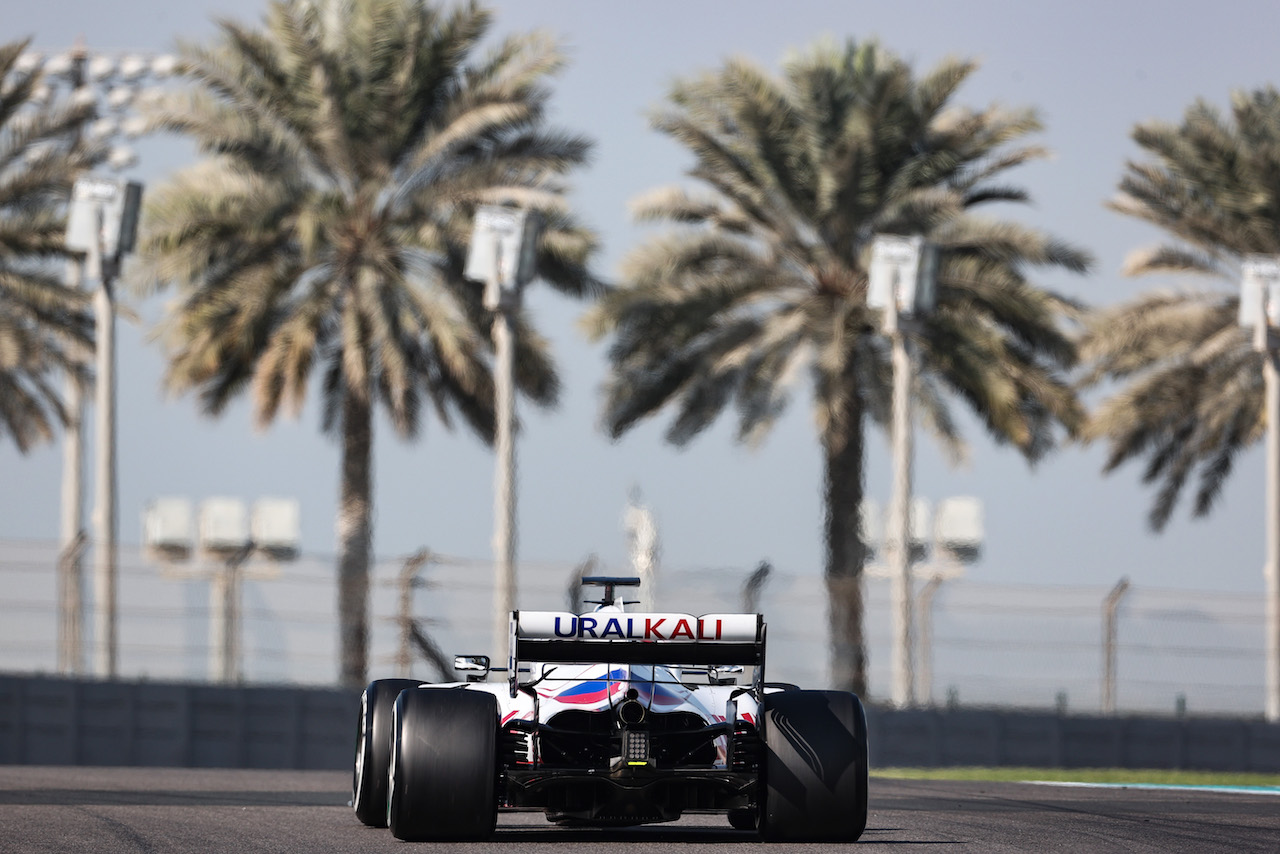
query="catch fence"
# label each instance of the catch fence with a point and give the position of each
(979, 644)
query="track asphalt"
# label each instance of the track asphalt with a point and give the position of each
(175, 810)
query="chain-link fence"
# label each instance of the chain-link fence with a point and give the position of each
(977, 644)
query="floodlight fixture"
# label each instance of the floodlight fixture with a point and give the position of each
(168, 529)
(59, 64)
(903, 271)
(102, 66)
(132, 67)
(28, 63)
(958, 528)
(119, 97)
(503, 250)
(164, 65)
(1260, 294)
(104, 215)
(919, 529)
(275, 528)
(224, 526)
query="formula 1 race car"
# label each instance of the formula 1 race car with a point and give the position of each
(611, 719)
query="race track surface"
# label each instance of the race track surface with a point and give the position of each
(173, 810)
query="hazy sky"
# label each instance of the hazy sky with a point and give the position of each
(1093, 69)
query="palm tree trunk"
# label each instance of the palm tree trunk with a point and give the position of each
(846, 553)
(355, 537)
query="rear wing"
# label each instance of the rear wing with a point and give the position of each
(615, 637)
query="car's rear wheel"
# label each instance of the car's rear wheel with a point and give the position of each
(373, 749)
(443, 765)
(814, 783)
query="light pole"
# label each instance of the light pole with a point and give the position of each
(502, 256)
(1260, 310)
(108, 83)
(952, 542)
(229, 534)
(901, 283)
(74, 539)
(103, 224)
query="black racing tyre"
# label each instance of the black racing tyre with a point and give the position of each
(444, 765)
(814, 784)
(744, 818)
(373, 749)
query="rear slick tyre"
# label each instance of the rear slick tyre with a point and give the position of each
(444, 765)
(815, 767)
(373, 749)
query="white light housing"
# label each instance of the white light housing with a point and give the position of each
(167, 527)
(164, 65)
(28, 63)
(119, 97)
(275, 527)
(503, 248)
(102, 67)
(83, 97)
(905, 268)
(104, 215)
(224, 525)
(133, 67)
(1259, 290)
(919, 528)
(59, 64)
(959, 527)
(122, 157)
(101, 129)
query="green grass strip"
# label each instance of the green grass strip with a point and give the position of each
(1082, 775)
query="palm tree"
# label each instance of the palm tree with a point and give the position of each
(45, 327)
(346, 149)
(1191, 394)
(764, 277)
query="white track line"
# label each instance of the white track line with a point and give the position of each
(1231, 790)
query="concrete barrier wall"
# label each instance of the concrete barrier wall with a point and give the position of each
(935, 737)
(53, 721)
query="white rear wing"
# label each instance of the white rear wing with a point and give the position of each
(616, 637)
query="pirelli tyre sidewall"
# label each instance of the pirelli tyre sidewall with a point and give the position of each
(814, 774)
(373, 749)
(444, 765)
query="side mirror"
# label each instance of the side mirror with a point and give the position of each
(724, 675)
(476, 667)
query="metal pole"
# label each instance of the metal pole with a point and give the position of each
(225, 600)
(73, 535)
(1271, 380)
(899, 549)
(1109, 608)
(404, 659)
(504, 498)
(219, 621)
(924, 673)
(408, 580)
(104, 513)
(232, 636)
